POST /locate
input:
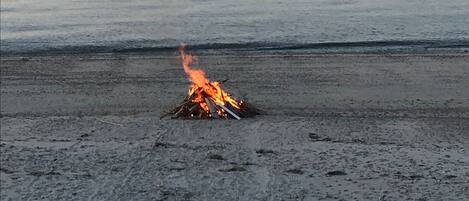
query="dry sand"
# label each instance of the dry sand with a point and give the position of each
(336, 127)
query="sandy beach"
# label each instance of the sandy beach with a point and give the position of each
(334, 127)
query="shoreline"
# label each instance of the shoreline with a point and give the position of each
(354, 47)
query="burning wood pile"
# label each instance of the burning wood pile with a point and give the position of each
(206, 99)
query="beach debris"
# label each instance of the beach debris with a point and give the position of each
(85, 135)
(415, 176)
(336, 173)
(449, 176)
(249, 163)
(314, 137)
(206, 99)
(215, 157)
(234, 168)
(295, 171)
(265, 151)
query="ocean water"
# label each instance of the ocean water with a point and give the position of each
(110, 25)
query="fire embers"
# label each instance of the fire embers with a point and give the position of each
(206, 99)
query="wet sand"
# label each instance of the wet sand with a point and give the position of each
(335, 126)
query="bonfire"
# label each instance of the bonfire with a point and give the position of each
(206, 99)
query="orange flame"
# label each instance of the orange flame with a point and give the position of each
(197, 76)
(202, 88)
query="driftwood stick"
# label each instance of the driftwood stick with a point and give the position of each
(165, 115)
(229, 111)
(180, 112)
(170, 112)
(194, 107)
(211, 107)
(177, 108)
(222, 97)
(225, 80)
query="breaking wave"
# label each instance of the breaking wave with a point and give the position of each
(13, 48)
